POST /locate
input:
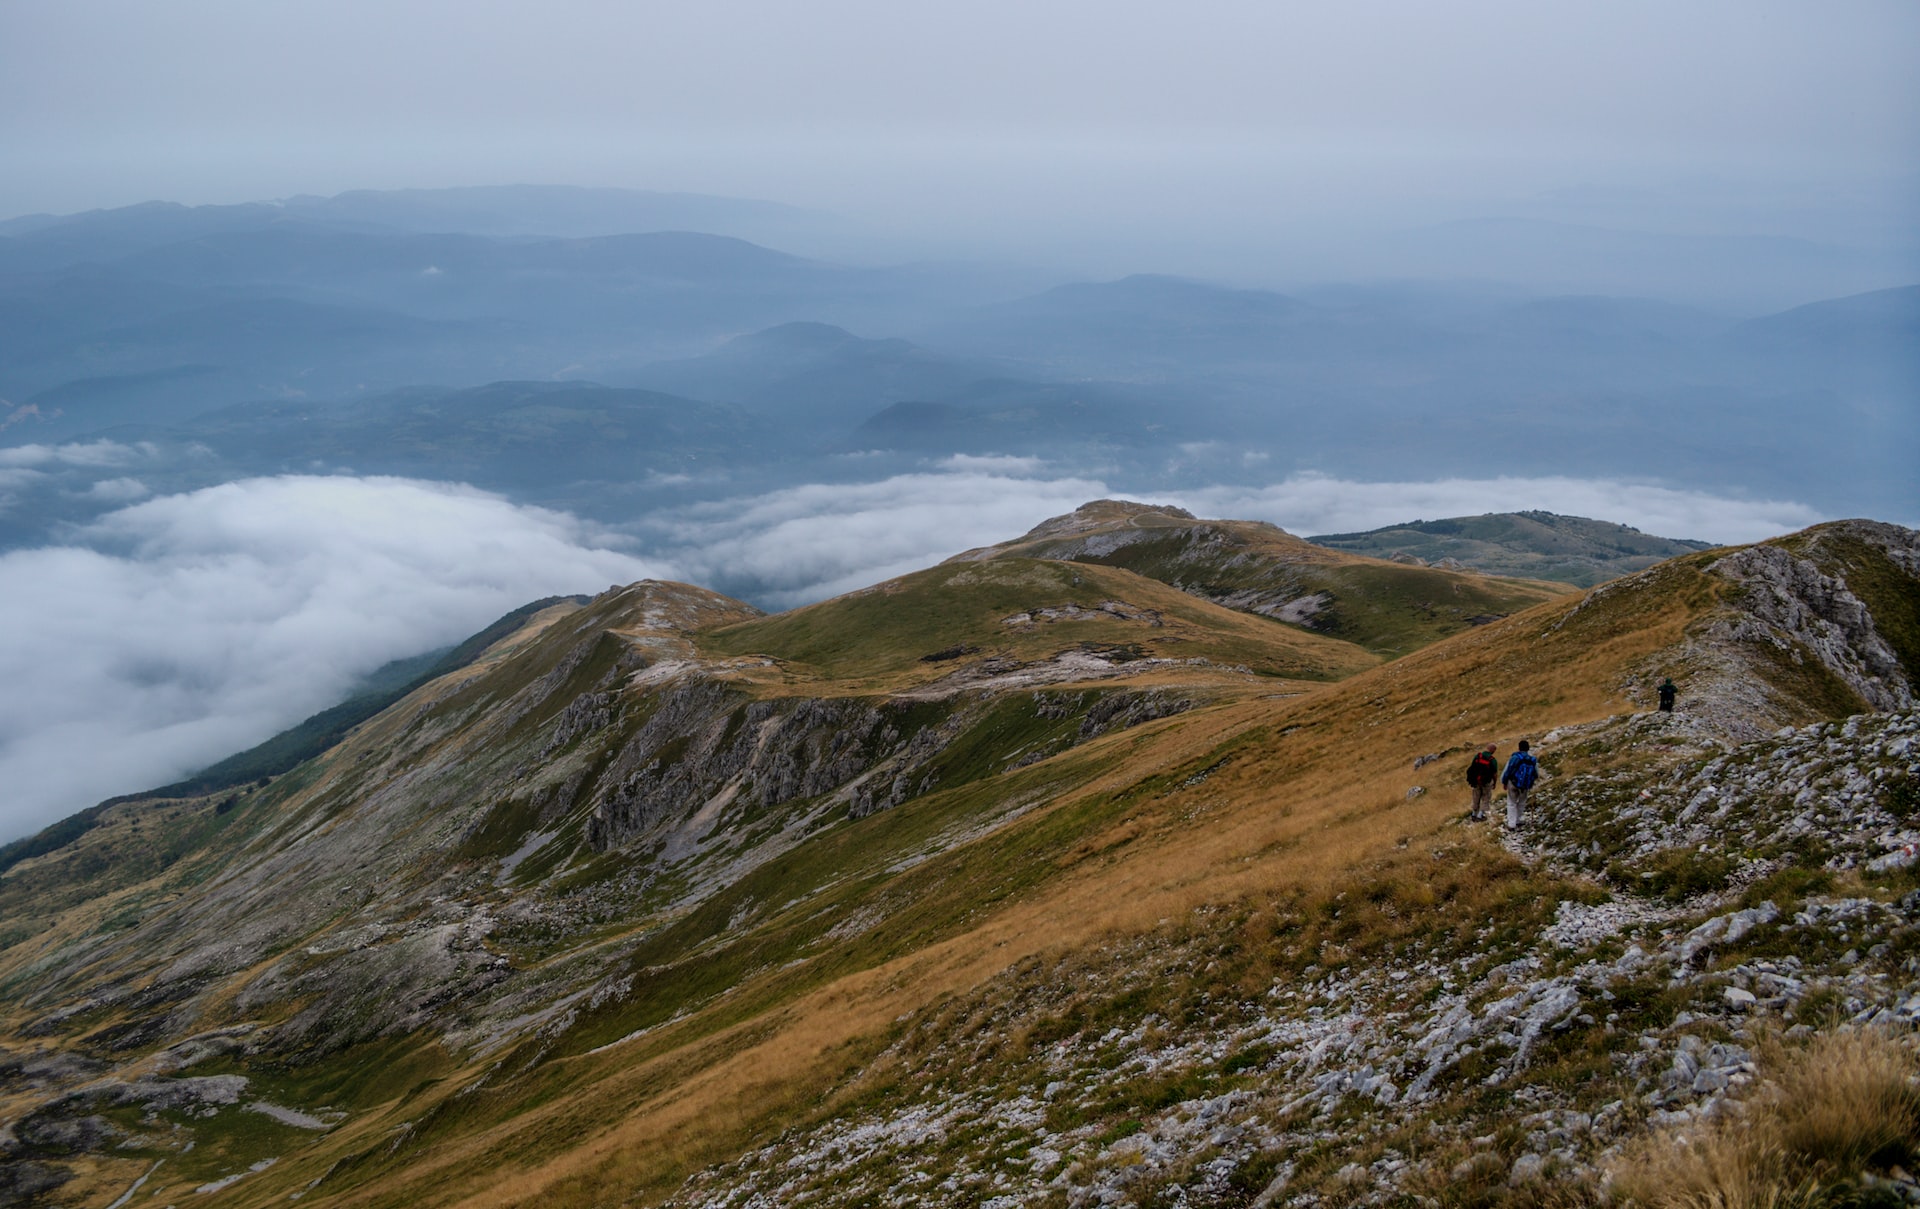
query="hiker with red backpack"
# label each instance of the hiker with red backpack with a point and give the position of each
(1481, 772)
(1522, 771)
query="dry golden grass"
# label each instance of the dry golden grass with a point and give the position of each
(1265, 540)
(1844, 1106)
(1313, 791)
(1300, 791)
(874, 641)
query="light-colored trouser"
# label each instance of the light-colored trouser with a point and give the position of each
(1482, 796)
(1516, 802)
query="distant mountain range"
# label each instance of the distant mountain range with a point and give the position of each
(505, 211)
(1707, 269)
(1536, 545)
(106, 314)
(147, 318)
(819, 374)
(507, 435)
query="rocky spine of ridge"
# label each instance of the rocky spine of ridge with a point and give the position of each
(1464, 1069)
(1789, 639)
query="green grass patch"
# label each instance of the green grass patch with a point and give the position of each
(1804, 684)
(1674, 874)
(1899, 795)
(1788, 887)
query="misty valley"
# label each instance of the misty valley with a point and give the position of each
(554, 346)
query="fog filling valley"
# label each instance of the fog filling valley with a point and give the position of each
(170, 633)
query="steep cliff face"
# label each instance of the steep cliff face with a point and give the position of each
(708, 748)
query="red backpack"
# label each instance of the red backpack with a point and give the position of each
(1482, 770)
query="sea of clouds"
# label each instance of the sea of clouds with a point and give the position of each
(169, 633)
(786, 548)
(177, 631)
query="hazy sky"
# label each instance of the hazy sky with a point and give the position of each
(1066, 112)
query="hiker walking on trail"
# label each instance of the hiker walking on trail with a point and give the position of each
(1481, 772)
(1668, 692)
(1522, 771)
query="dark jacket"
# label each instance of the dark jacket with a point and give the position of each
(1482, 769)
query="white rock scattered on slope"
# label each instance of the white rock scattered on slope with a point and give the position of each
(1338, 1046)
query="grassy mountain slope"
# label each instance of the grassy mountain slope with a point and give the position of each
(630, 897)
(1539, 545)
(958, 615)
(1387, 608)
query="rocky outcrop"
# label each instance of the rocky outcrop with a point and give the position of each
(705, 746)
(705, 743)
(396, 985)
(1818, 625)
(1306, 1091)
(1118, 711)
(1848, 789)
(1788, 599)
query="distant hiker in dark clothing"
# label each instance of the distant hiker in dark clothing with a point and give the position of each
(1522, 771)
(1667, 693)
(1481, 773)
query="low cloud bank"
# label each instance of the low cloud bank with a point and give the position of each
(802, 544)
(178, 631)
(1312, 504)
(23, 467)
(75, 453)
(794, 546)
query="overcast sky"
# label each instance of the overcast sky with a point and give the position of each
(1055, 113)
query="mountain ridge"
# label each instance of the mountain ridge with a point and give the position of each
(1258, 567)
(1542, 545)
(653, 891)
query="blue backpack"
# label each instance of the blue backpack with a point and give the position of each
(1524, 770)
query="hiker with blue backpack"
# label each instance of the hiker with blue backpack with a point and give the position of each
(1522, 771)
